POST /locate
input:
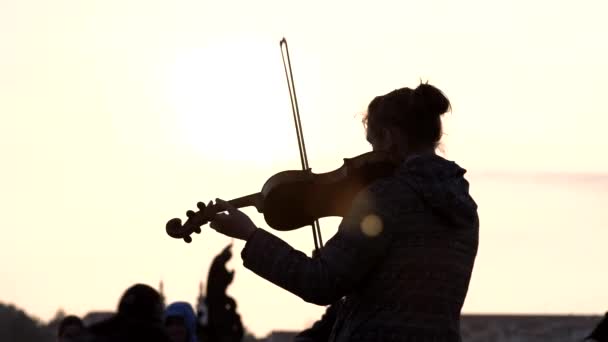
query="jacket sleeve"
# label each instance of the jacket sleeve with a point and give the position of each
(361, 241)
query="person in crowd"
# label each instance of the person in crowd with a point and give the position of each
(71, 328)
(224, 323)
(139, 318)
(180, 322)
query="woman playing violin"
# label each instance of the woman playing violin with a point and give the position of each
(403, 256)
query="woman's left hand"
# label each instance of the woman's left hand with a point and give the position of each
(235, 223)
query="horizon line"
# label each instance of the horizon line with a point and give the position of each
(590, 175)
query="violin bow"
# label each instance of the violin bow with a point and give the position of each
(316, 228)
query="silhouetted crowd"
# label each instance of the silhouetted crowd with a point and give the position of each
(142, 317)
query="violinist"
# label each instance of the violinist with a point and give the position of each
(403, 255)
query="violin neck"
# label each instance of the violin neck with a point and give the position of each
(256, 200)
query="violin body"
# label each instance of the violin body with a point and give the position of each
(293, 199)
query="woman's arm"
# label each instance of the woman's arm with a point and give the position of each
(347, 257)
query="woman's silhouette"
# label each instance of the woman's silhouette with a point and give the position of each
(402, 258)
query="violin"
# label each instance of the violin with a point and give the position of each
(296, 198)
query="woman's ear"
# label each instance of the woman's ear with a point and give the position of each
(386, 139)
(395, 140)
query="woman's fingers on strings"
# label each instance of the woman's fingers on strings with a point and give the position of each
(219, 220)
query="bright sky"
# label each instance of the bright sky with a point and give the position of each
(118, 115)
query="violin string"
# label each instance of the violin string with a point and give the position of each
(316, 228)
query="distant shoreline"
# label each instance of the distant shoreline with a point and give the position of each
(539, 176)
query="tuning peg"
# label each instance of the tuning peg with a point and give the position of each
(201, 205)
(188, 239)
(189, 213)
(197, 230)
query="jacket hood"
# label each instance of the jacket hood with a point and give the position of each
(441, 184)
(184, 310)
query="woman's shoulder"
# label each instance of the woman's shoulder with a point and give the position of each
(390, 196)
(393, 186)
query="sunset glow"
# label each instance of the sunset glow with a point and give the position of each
(118, 115)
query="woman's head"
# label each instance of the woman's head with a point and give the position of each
(406, 120)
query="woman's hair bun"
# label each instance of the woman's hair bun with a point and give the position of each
(433, 100)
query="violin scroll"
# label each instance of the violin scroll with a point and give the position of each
(177, 230)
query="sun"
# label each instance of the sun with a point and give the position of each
(230, 100)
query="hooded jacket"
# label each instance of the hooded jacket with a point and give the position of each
(402, 258)
(184, 310)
